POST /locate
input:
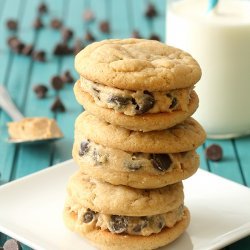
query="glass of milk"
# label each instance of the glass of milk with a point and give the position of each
(220, 41)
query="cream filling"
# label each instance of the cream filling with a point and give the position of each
(137, 102)
(89, 220)
(93, 154)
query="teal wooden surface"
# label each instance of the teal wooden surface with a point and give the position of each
(19, 74)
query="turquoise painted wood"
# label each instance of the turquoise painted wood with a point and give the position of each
(19, 74)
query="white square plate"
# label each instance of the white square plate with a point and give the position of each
(31, 211)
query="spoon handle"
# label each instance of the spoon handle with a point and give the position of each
(8, 106)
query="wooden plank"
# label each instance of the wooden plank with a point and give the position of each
(120, 19)
(101, 9)
(8, 59)
(159, 22)
(243, 152)
(141, 23)
(30, 159)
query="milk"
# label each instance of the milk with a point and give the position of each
(220, 42)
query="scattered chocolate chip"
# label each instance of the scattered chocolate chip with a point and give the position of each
(39, 56)
(42, 8)
(118, 224)
(161, 162)
(155, 37)
(55, 24)
(89, 37)
(104, 27)
(15, 44)
(148, 102)
(27, 50)
(88, 15)
(214, 152)
(38, 24)
(78, 46)
(136, 34)
(151, 11)
(12, 24)
(58, 105)
(96, 90)
(142, 224)
(84, 147)
(12, 244)
(174, 101)
(40, 90)
(67, 34)
(88, 216)
(57, 82)
(119, 100)
(67, 77)
(62, 49)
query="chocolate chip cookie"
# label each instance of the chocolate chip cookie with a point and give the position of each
(138, 170)
(96, 208)
(157, 111)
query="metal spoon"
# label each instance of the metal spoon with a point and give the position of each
(10, 108)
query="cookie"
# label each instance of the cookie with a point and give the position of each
(106, 240)
(137, 64)
(138, 170)
(105, 198)
(183, 137)
(143, 122)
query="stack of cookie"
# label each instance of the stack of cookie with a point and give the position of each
(134, 144)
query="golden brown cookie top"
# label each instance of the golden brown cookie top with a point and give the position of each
(122, 200)
(137, 64)
(183, 137)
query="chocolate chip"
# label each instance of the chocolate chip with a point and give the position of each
(40, 90)
(119, 100)
(37, 24)
(67, 34)
(55, 24)
(118, 224)
(174, 101)
(136, 34)
(15, 44)
(57, 82)
(62, 49)
(147, 103)
(161, 162)
(27, 50)
(67, 77)
(96, 90)
(12, 41)
(142, 224)
(155, 37)
(78, 46)
(89, 37)
(104, 27)
(39, 56)
(12, 24)
(151, 11)
(84, 147)
(88, 216)
(12, 244)
(88, 15)
(58, 105)
(42, 8)
(214, 152)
